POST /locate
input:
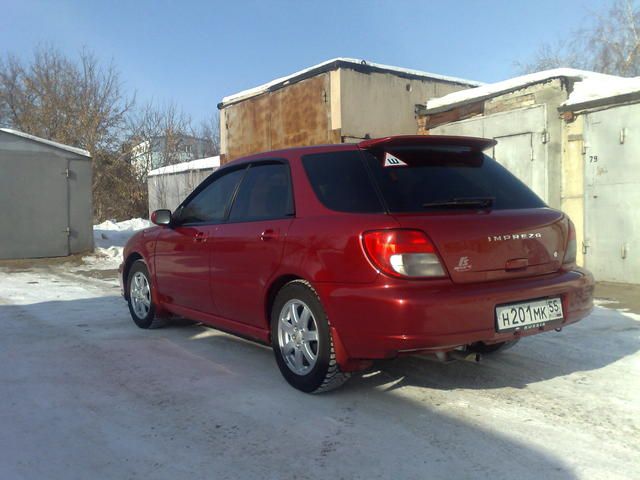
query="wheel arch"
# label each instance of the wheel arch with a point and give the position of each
(129, 261)
(272, 292)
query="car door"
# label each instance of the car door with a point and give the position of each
(248, 248)
(183, 248)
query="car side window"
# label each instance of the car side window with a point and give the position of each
(210, 204)
(341, 182)
(265, 193)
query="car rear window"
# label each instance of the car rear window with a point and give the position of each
(437, 174)
(341, 182)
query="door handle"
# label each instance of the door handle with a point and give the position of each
(200, 237)
(268, 234)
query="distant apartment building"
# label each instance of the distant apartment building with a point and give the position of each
(161, 151)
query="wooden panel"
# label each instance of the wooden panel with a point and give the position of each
(459, 113)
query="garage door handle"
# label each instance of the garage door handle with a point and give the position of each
(268, 235)
(200, 237)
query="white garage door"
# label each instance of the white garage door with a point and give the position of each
(612, 194)
(521, 144)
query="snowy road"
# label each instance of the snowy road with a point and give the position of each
(85, 394)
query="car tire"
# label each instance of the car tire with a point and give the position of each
(139, 296)
(488, 349)
(302, 341)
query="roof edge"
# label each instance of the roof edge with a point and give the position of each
(197, 164)
(51, 143)
(334, 64)
(503, 87)
(611, 101)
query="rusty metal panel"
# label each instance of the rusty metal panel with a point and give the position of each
(248, 127)
(295, 115)
(300, 113)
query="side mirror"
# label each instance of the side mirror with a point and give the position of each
(161, 217)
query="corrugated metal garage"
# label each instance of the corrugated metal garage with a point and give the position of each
(574, 138)
(608, 157)
(45, 194)
(340, 100)
(169, 186)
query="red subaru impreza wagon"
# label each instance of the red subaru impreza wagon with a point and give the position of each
(342, 254)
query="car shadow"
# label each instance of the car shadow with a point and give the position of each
(595, 342)
(224, 398)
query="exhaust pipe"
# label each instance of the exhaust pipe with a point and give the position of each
(466, 356)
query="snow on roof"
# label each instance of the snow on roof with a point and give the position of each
(199, 164)
(601, 88)
(335, 63)
(51, 143)
(505, 86)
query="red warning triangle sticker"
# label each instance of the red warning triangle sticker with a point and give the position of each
(392, 161)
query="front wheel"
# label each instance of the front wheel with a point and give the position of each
(139, 295)
(302, 342)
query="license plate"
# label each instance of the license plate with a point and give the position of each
(526, 315)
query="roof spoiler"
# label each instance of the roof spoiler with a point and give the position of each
(475, 143)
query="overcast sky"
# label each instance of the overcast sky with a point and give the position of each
(197, 52)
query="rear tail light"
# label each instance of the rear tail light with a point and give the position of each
(402, 253)
(570, 252)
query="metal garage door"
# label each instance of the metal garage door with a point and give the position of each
(515, 152)
(521, 136)
(34, 196)
(612, 194)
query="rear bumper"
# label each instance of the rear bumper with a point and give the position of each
(390, 317)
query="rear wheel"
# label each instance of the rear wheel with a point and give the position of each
(302, 341)
(139, 295)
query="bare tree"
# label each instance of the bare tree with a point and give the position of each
(81, 102)
(551, 55)
(609, 42)
(157, 136)
(163, 135)
(613, 44)
(75, 102)
(209, 130)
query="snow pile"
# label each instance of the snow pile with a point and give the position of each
(511, 84)
(588, 86)
(199, 164)
(109, 239)
(599, 87)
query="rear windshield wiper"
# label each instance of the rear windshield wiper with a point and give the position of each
(481, 202)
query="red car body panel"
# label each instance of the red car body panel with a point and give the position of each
(245, 258)
(226, 274)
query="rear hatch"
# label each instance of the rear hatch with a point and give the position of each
(484, 222)
(495, 245)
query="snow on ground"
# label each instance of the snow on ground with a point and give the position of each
(109, 239)
(86, 394)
